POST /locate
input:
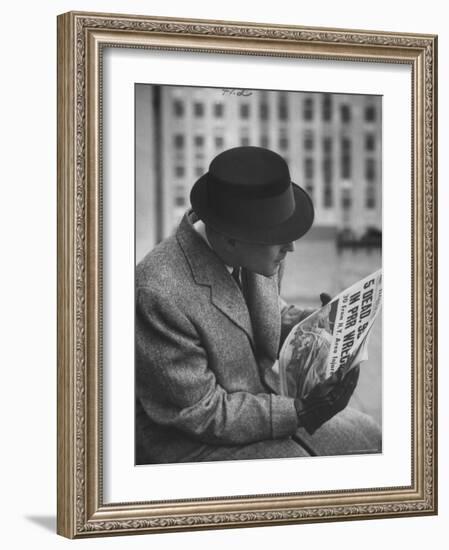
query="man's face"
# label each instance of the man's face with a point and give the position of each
(261, 258)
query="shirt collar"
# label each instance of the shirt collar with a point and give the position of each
(200, 228)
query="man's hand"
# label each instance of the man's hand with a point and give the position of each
(326, 399)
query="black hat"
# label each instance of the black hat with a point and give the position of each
(247, 194)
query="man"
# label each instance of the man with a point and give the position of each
(209, 324)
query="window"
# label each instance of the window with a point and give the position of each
(219, 141)
(179, 171)
(370, 169)
(370, 113)
(263, 110)
(308, 168)
(309, 141)
(198, 109)
(199, 141)
(346, 145)
(346, 199)
(180, 196)
(264, 141)
(199, 171)
(283, 142)
(327, 197)
(308, 108)
(370, 142)
(345, 113)
(370, 199)
(178, 108)
(283, 139)
(346, 158)
(179, 141)
(218, 110)
(327, 145)
(283, 107)
(244, 137)
(244, 110)
(327, 170)
(327, 108)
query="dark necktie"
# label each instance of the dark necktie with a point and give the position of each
(239, 277)
(236, 276)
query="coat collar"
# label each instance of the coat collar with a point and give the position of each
(259, 316)
(209, 270)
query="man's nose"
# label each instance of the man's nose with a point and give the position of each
(289, 247)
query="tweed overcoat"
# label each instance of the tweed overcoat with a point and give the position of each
(204, 353)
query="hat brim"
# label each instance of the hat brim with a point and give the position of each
(289, 230)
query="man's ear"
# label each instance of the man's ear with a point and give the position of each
(228, 243)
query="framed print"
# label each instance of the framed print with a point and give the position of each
(246, 274)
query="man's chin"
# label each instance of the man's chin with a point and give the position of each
(266, 272)
(271, 273)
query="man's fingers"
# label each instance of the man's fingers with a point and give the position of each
(352, 375)
(350, 383)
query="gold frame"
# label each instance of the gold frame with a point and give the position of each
(81, 37)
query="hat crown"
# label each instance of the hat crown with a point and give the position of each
(247, 194)
(250, 171)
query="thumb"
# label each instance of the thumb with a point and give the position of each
(325, 298)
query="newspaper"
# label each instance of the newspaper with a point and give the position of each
(333, 337)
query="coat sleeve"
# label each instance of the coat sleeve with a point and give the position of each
(291, 315)
(177, 388)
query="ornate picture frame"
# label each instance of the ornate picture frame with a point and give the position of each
(82, 40)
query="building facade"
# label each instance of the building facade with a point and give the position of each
(331, 142)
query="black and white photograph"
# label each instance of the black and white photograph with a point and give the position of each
(258, 279)
(246, 274)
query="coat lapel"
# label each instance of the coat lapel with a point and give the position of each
(258, 316)
(263, 302)
(209, 270)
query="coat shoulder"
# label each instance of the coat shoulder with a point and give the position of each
(164, 264)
